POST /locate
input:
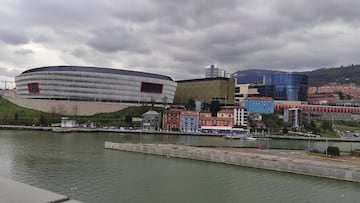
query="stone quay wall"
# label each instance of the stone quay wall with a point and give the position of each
(324, 168)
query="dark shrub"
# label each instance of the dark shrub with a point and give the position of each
(333, 150)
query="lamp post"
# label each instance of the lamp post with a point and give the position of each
(326, 145)
(309, 144)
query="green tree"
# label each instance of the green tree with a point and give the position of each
(190, 105)
(16, 116)
(42, 120)
(285, 130)
(326, 125)
(128, 119)
(205, 107)
(214, 108)
(333, 150)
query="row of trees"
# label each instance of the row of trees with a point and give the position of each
(18, 119)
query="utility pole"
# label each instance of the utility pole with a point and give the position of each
(6, 82)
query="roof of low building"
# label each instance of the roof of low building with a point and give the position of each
(226, 111)
(151, 112)
(190, 113)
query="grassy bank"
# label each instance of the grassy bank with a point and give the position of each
(16, 115)
(347, 128)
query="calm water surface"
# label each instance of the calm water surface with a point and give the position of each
(75, 164)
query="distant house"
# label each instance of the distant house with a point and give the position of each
(151, 120)
(205, 114)
(189, 121)
(66, 123)
(225, 113)
(216, 121)
(171, 119)
(237, 114)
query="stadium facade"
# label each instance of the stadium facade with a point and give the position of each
(81, 83)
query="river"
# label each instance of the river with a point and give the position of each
(77, 165)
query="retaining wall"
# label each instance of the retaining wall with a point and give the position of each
(341, 171)
(80, 108)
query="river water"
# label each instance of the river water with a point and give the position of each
(77, 165)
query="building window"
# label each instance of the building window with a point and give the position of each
(151, 87)
(33, 88)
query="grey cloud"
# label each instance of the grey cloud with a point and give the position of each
(180, 38)
(119, 39)
(319, 11)
(24, 51)
(13, 37)
(79, 52)
(9, 73)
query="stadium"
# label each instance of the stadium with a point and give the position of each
(81, 83)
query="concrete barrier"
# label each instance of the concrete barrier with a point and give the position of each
(293, 162)
(13, 191)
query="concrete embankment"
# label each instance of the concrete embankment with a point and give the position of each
(117, 130)
(279, 160)
(13, 191)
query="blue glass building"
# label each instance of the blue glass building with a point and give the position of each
(285, 86)
(263, 105)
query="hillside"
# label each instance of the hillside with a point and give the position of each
(16, 115)
(347, 74)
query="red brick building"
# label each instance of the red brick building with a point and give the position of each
(347, 89)
(323, 99)
(171, 120)
(216, 121)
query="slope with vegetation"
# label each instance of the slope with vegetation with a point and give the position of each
(343, 75)
(16, 115)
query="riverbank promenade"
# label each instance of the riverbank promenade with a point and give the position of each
(111, 130)
(341, 168)
(13, 191)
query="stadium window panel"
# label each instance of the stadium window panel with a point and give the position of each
(151, 87)
(33, 88)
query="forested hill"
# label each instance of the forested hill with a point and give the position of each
(348, 74)
(345, 74)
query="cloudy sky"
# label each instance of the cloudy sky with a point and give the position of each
(178, 38)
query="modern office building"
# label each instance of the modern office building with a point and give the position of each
(215, 72)
(293, 117)
(285, 86)
(206, 90)
(263, 105)
(83, 83)
(243, 91)
(240, 117)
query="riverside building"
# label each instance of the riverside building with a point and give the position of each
(206, 90)
(82, 83)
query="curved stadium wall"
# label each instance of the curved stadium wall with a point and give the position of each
(94, 84)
